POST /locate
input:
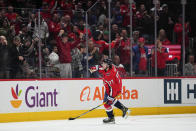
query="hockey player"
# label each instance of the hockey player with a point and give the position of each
(113, 85)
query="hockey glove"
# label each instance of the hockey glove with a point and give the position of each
(110, 100)
(94, 68)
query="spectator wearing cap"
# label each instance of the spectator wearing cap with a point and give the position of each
(64, 48)
(161, 58)
(106, 36)
(140, 57)
(163, 38)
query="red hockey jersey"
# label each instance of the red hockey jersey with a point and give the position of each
(111, 80)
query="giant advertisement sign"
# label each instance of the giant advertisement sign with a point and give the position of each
(60, 95)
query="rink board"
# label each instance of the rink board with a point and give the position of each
(32, 100)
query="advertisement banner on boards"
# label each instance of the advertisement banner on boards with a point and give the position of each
(56, 95)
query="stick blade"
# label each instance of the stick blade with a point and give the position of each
(71, 118)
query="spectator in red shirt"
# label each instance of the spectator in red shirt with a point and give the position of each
(163, 38)
(53, 25)
(74, 33)
(11, 15)
(140, 57)
(161, 58)
(45, 13)
(123, 49)
(120, 68)
(178, 30)
(82, 28)
(124, 9)
(64, 48)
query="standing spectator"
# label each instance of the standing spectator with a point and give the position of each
(114, 31)
(7, 30)
(67, 25)
(136, 35)
(120, 68)
(146, 26)
(24, 32)
(163, 38)
(123, 49)
(166, 21)
(76, 64)
(11, 15)
(140, 57)
(124, 9)
(64, 48)
(4, 59)
(44, 32)
(178, 30)
(54, 62)
(46, 12)
(82, 28)
(116, 15)
(54, 26)
(161, 58)
(30, 52)
(54, 57)
(93, 58)
(18, 64)
(78, 13)
(189, 66)
(158, 6)
(45, 57)
(140, 14)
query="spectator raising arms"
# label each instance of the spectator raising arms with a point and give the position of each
(161, 58)
(64, 48)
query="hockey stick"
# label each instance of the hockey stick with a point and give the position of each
(73, 118)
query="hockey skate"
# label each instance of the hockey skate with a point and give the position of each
(126, 112)
(109, 120)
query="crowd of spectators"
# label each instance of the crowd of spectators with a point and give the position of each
(60, 40)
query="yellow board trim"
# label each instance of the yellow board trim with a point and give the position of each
(57, 115)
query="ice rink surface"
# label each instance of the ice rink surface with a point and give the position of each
(181, 122)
